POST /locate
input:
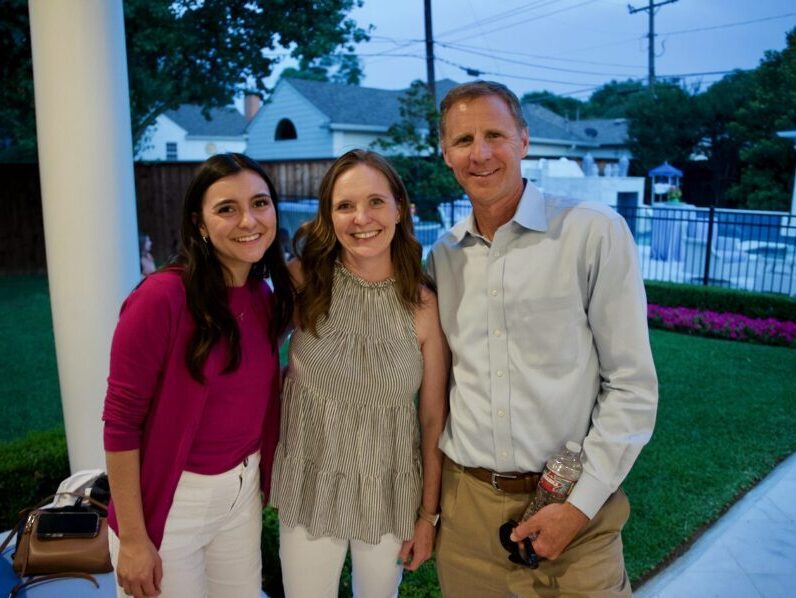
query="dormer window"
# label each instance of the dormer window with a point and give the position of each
(285, 130)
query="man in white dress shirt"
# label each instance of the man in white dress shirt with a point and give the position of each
(543, 305)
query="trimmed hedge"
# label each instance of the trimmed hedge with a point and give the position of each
(721, 300)
(30, 470)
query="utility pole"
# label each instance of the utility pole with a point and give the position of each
(430, 79)
(650, 8)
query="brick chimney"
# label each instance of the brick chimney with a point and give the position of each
(251, 104)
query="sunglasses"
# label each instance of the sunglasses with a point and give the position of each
(522, 552)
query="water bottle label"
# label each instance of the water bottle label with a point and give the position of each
(555, 484)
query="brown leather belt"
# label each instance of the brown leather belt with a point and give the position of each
(510, 482)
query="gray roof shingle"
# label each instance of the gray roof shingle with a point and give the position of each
(224, 122)
(546, 124)
(354, 105)
(605, 131)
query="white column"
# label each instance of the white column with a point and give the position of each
(88, 198)
(792, 136)
(793, 196)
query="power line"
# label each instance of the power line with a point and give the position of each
(726, 25)
(536, 18)
(539, 66)
(478, 72)
(540, 56)
(511, 13)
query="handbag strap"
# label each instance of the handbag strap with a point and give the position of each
(8, 539)
(37, 579)
(50, 498)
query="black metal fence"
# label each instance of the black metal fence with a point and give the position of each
(740, 249)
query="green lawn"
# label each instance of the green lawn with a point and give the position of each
(727, 416)
(29, 393)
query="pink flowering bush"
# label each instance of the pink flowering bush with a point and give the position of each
(723, 325)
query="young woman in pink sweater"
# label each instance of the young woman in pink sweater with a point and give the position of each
(192, 408)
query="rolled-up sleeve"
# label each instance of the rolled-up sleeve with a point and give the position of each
(624, 414)
(138, 355)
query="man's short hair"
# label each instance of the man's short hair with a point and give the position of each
(478, 89)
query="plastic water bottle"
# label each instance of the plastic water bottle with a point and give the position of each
(558, 479)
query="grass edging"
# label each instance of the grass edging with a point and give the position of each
(686, 545)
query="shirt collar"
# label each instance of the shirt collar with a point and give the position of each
(530, 214)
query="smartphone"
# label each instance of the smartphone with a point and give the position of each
(67, 525)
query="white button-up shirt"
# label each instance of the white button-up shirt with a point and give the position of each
(547, 326)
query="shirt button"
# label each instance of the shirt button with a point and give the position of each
(493, 292)
(499, 373)
(504, 454)
(501, 413)
(497, 333)
(497, 253)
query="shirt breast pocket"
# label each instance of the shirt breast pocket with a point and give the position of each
(548, 331)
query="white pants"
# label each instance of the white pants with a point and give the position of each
(311, 566)
(211, 543)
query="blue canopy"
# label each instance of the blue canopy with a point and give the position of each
(665, 170)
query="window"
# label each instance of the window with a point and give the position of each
(171, 150)
(285, 130)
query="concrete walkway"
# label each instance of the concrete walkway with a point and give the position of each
(749, 553)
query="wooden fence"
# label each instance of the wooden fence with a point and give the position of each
(159, 189)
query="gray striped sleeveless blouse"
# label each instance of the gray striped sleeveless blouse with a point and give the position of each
(348, 460)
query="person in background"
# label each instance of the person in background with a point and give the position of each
(543, 306)
(192, 407)
(147, 260)
(284, 240)
(347, 471)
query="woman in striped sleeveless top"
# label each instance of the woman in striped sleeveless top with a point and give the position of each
(353, 469)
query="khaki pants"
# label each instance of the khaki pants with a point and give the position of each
(472, 562)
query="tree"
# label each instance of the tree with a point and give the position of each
(663, 126)
(767, 160)
(415, 154)
(608, 101)
(335, 68)
(17, 123)
(716, 110)
(411, 133)
(187, 51)
(613, 99)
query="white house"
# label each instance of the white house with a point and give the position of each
(315, 119)
(186, 135)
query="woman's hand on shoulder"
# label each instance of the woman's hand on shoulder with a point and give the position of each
(139, 569)
(297, 276)
(296, 272)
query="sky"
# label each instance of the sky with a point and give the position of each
(568, 46)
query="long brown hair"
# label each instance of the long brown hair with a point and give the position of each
(203, 273)
(318, 248)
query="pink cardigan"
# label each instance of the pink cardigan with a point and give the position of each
(153, 403)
